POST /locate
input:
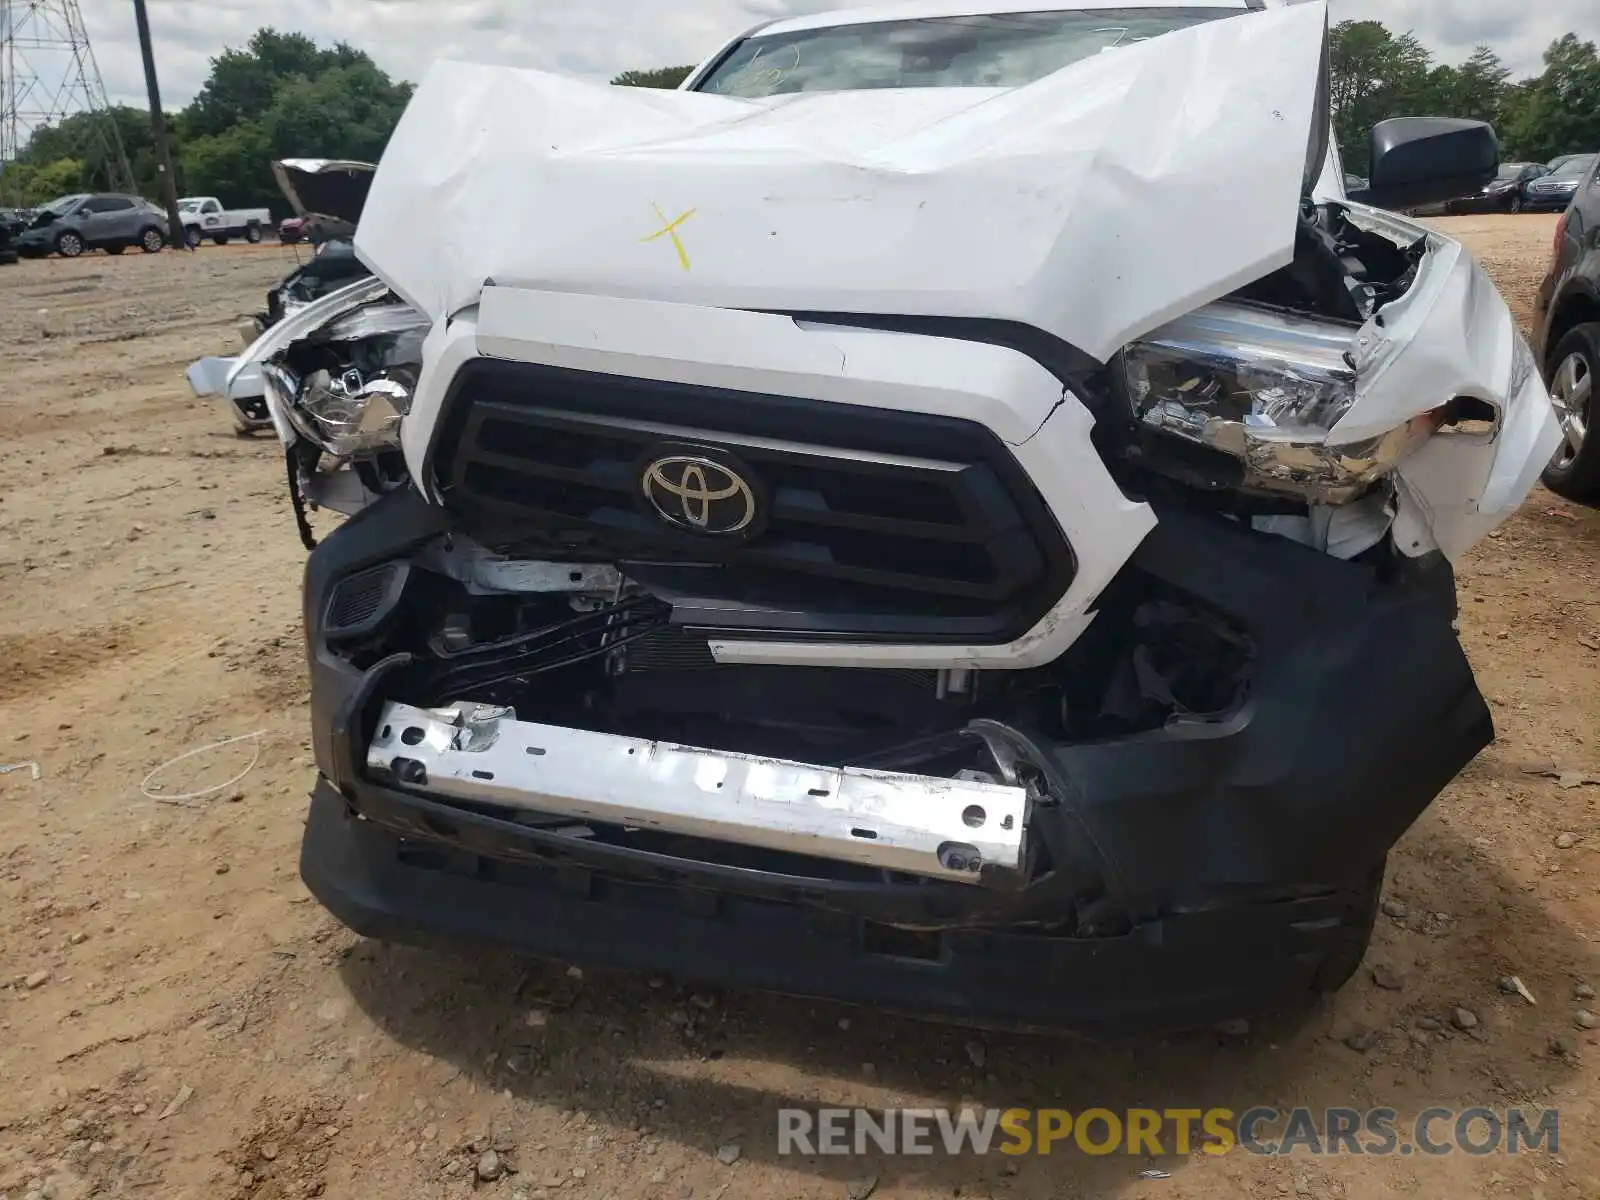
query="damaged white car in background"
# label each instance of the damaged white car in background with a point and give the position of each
(953, 509)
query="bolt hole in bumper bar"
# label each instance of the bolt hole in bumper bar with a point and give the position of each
(1234, 847)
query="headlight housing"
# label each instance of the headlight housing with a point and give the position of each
(1264, 389)
(340, 371)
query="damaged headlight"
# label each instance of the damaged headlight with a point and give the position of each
(1265, 390)
(340, 372)
(348, 413)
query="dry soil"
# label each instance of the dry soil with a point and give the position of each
(179, 1019)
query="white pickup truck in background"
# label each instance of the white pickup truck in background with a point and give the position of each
(204, 217)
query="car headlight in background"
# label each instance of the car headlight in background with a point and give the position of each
(1265, 390)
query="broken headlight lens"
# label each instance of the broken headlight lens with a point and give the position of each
(349, 414)
(1264, 389)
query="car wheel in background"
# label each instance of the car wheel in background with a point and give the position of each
(191, 237)
(1575, 366)
(220, 239)
(151, 241)
(69, 245)
(252, 234)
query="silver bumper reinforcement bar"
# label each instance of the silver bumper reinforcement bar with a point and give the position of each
(939, 828)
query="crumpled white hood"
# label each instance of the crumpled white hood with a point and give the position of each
(1095, 204)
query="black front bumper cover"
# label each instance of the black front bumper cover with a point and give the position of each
(1247, 849)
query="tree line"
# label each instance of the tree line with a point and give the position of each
(1377, 74)
(283, 97)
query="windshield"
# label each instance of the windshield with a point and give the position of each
(1577, 168)
(62, 205)
(188, 205)
(1512, 170)
(997, 50)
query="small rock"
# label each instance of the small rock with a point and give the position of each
(247, 1179)
(1564, 1045)
(580, 1172)
(453, 1167)
(977, 1054)
(1396, 909)
(1388, 978)
(489, 1166)
(1422, 1037)
(78, 938)
(1583, 991)
(728, 1153)
(860, 1189)
(844, 1024)
(1430, 1024)
(37, 980)
(659, 1175)
(269, 1151)
(1586, 1019)
(1566, 841)
(1464, 1018)
(574, 972)
(1363, 1040)
(223, 868)
(72, 1127)
(140, 1109)
(703, 1001)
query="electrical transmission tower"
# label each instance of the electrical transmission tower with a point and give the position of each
(48, 73)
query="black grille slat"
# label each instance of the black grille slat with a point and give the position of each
(868, 512)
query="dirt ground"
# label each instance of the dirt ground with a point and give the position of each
(179, 1019)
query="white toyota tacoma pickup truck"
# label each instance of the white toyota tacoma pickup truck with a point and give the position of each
(204, 217)
(954, 510)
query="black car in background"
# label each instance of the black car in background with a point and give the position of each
(1553, 192)
(1503, 193)
(1568, 339)
(12, 222)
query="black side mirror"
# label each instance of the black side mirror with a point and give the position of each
(1427, 160)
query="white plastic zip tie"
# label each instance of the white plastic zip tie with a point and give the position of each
(145, 790)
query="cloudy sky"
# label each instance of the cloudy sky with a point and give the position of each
(602, 37)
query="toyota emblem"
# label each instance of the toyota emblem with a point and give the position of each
(699, 494)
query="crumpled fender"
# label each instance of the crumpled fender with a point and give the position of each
(1095, 204)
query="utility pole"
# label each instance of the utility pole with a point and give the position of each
(158, 126)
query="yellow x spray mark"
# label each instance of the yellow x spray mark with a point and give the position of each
(670, 229)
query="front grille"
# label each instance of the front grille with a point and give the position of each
(874, 524)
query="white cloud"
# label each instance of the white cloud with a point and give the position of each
(601, 37)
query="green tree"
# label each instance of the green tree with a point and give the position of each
(27, 184)
(1477, 89)
(345, 112)
(1557, 112)
(660, 77)
(235, 165)
(282, 97)
(1376, 75)
(243, 83)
